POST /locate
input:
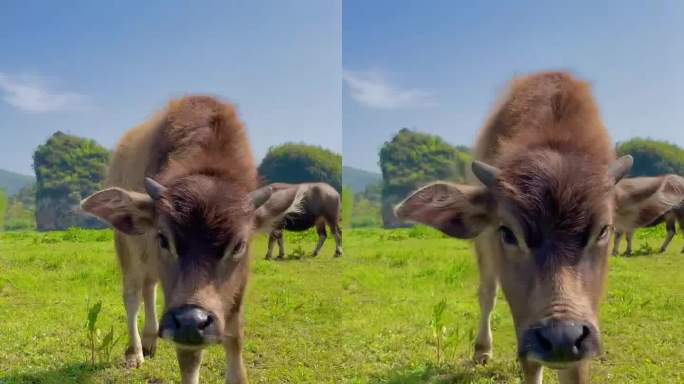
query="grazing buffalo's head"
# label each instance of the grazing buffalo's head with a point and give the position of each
(547, 218)
(200, 226)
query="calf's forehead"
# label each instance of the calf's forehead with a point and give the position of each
(205, 216)
(555, 198)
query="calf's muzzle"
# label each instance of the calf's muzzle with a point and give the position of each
(189, 325)
(559, 342)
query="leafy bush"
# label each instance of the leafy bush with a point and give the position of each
(366, 213)
(653, 157)
(300, 163)
(20, 212)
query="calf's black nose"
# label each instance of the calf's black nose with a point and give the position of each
(560, 342)
(186, 325)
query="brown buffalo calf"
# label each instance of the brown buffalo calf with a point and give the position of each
(646, 202)
(184, 202)
(320, 205)
(541, 220)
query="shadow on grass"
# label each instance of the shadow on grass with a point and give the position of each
(72, 373)
(448, 374)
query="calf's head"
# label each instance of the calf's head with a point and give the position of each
(545, 219)
(200, 226)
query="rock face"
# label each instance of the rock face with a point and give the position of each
(55, 213)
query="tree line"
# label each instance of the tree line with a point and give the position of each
(68, 168)
(412, 159)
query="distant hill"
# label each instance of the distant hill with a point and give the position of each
(358, 179)
(12, 182)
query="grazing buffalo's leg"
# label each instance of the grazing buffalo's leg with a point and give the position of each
(532, 372)
(281, 243)
(616, 243)
(131, 261)
(149, 339)
(628, 237)
(271, 241)
(337, 233)
(487, 298)
(680, 216)
(322, 235)
(189, 361)
(579, 374)
(670, 225)
(235, 370)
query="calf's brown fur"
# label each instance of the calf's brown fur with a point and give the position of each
(183, 200)
(540, 219)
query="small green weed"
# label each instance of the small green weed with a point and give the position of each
(439, 330)
(100, 347)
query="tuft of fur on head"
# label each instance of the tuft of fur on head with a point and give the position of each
(545, 110)
(202, 135)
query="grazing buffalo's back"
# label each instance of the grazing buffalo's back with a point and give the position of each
(645, 202)
(540, 217)
(318, 199)
(319, 203)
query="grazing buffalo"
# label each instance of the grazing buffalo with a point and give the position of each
(646, 202)
(183, 200)
(541, 219)
(320, 204)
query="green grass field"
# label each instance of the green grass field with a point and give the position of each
(364, 318)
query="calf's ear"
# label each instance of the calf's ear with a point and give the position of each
(457, 210)
(129, 212)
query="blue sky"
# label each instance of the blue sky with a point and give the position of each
(438, 66)
(95, 69)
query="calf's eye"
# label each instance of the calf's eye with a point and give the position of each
(507, 236)
(240, 248)
(163, 241)
(604, 232)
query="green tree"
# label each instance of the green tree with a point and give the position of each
(412, 159)
(68, 168)
(653, 157)
(300, 163)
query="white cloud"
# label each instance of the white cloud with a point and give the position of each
(372, 90)
(30, 94)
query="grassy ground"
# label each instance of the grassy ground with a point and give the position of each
(364, 318)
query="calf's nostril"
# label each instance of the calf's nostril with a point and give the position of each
(204, 324)
(544, 343)
(585, 333)
(176, 323)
